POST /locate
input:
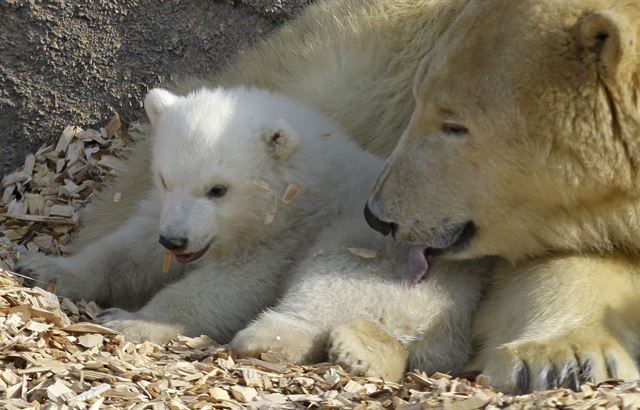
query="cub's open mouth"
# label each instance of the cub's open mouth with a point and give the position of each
(191, 257)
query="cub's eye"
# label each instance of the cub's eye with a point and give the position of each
(218, 191)
(451, 128)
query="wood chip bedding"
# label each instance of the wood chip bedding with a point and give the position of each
(53, 357)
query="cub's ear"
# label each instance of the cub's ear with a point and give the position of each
(281, 138)
(611, 40)
(156, 101)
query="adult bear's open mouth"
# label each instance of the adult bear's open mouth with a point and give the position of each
(459, 240)
(419, 256)
(418, 264)
(191, 257)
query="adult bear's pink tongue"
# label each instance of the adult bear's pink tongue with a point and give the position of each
(418, 264)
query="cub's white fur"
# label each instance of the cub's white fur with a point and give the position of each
(244, 139)
(359, 311)
(333, 289)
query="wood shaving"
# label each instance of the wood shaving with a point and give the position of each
(219, 394)
(61, 210)
(86, 327)
(166, 261)
(363, 253)
(90, 340)
(53, 357)
(243, 394)
(271, 213)
(289, 193)
(89, 394)
(262, 184)
(113, 127)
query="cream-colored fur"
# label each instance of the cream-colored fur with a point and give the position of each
(563, 318)
(525, 144)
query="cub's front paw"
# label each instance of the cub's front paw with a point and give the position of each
(298, 343)
(135, 327)
(60, 271)
(582, 356)
(366, 349)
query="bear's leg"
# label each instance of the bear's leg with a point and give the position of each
(361, 312)
(308, 326)
(298, 326)
(102, 216)
(557, 322)
(299, 340)
(323, 296)
(430, 321)
(216, 300)
(124, 268)
(365, 347)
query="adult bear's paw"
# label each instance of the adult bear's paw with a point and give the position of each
(135, 327)
(588, 355)
(364, 348)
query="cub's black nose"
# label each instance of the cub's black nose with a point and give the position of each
(173, 244)
(385, 228)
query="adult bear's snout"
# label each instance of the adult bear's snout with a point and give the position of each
(385, 228)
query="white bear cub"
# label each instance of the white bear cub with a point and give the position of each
(244, 181)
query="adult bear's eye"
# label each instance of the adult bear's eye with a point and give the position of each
(218, 191)
(451, 128)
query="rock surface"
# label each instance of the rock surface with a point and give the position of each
(80, 61)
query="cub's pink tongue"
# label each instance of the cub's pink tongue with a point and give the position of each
(418, 264)
(183, 257)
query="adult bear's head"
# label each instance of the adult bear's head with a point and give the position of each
(526, 133)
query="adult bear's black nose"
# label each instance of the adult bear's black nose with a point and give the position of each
(173, 243)
(385, 228)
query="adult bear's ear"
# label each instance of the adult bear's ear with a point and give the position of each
(281, 138)
(610, 41)
(156, 101)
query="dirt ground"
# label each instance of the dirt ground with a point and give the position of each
(78, 61)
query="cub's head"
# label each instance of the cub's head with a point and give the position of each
(526, 133)
(220, 161)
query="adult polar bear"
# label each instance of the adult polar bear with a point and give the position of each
(531, 152)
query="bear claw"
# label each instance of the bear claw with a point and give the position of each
(551, 377)
(611, 364)
(570, 377)
(566, 362)
(522, 376)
